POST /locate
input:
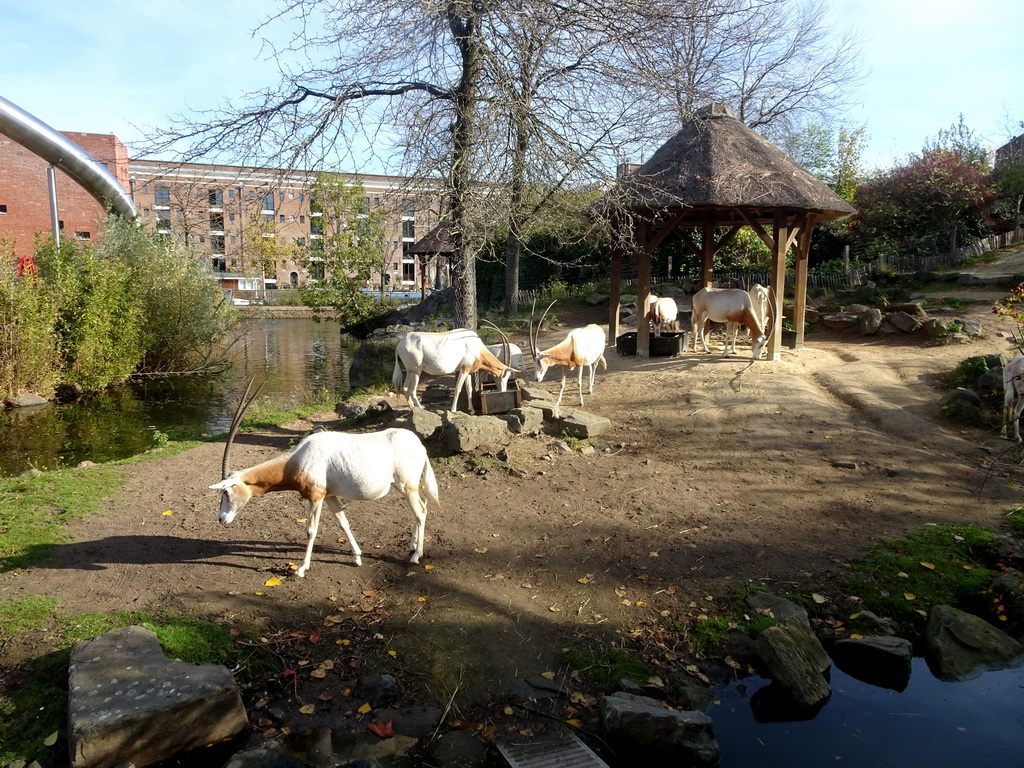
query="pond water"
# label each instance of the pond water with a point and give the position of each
(296, 358)
(975, 723)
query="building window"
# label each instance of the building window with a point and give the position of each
(82, 236)
(234, 239)
(300, 241)
(268, 201)
(217, 222)
(409, 208)
(282, 218)
(231, 194)
(408, 271)
(409, 229)
(3, 207)
(218, 265)
(302, 196)
(216, 198)
(217, 243)
(252, 194)
(162, 195)
(302, 219)
(376, 202)
(163, 221)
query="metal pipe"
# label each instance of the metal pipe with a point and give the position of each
(58, 150)
(51, 181)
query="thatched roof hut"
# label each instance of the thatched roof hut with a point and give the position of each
(715, 176)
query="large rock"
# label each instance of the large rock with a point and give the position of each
(524, 421)
(793, 658)
(838, 321)
(28, 400)
(904, 321)
(869, 321)
(881, 661)
(426, 424)
(960, 646)
(651, 734)
(468, 433)
(583, 425)
(778, 608)
(128, 703)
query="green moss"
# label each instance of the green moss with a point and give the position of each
(942, 564)
(1015, 520)
(607, 666)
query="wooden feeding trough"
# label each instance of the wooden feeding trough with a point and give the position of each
(666, 345)
(490, 401)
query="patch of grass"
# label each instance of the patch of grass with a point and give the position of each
(607, 666)
(707, 633)
(1015, 520)
(35, 509)
(576, 443)
(33, 704)
(966, 373)
(941, 564)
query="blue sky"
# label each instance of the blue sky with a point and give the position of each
(112, 66)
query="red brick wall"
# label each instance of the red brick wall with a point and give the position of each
(24, 190)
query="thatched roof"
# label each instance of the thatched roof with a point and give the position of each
(715, 167)
(437, 240)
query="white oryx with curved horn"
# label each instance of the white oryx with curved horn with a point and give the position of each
(583, 347)
(460, 351)
(507, 353)
(727, 305)
(332, 467)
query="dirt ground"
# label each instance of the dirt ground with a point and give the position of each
(715, 474)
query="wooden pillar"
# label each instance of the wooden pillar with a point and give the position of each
(643, 289)
(707, 256)
(803, 250)
(777, 290)
(615, 292)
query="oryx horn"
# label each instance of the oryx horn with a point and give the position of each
(506, 346)
(243, 406)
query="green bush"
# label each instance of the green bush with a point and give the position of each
(94, 315)
(28, 315)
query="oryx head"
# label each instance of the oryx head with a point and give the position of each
(540, 360)
(236, 493)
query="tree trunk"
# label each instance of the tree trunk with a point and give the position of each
(465, 30)
(514, 241)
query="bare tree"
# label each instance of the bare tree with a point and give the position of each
(778, 63)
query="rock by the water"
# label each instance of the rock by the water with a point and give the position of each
(881, 661)
(793, 658)
(960, 646)
(646, 731)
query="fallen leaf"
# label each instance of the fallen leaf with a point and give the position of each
(168, 512)
(548, 675)
(928, 565)
(392, 653)
(583, 580)
(855, 636)
(819, 599)
(902, 575)
(273, 581)
(318, 673)
(575, 722)
(428, 567)
(421, 599)
(383, 729)
(910, 596)
(308, 709)
(365, 708)
(508, 710)
(554, 608)
(369, 592)
(330, 621)
(620, 591)
(652, 554)
(314, 637)
(480, 550)
(50, 740)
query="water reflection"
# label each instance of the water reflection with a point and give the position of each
(296, 359)
(973, 723)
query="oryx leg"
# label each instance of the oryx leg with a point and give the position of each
(312, 526)
(339, 512)
(412, 382)
(579, 382)
(419, 509)
(562, 389)
(463, 380)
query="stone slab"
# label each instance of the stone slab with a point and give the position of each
(129, 703)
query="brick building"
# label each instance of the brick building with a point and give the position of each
(25, 196)
(253, 226)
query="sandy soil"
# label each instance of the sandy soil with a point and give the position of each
(715, 474)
